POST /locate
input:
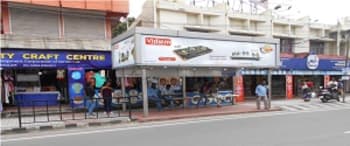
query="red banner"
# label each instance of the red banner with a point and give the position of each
(326, 80)
(289, 86)
(239, 88)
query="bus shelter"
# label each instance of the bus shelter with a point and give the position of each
(150, 53)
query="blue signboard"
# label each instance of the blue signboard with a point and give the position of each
(76, 86)
(29, 58)
(323, 64)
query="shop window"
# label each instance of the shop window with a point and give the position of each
(219, 83)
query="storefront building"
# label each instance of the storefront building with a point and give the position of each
(34, 75)
(188, 60)
(287, 80)
(54, 47)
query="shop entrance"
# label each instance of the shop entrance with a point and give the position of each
(32, 81)
(278, 87)
(250, 82)
(318, 81)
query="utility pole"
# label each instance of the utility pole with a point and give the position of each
(347, 38)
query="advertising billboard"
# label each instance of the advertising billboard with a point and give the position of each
(176, 51)
(124, 53)
(76, 84)
(39, 58)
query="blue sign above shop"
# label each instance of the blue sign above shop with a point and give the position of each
(30, 58)
(316, 64)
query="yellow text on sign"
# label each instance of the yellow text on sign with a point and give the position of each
(36, 56)
(7, 55)
(85, 57)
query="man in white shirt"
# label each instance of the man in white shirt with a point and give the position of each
(333, 84)
(167, 94)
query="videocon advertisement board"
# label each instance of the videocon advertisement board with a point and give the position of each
(180, 51)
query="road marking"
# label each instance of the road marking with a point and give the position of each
(347, 132)
(288, 108)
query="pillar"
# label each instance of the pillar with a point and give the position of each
(144, 93)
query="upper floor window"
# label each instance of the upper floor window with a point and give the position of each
(317, 47)
(286, 45)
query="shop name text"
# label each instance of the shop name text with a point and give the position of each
(48, 56)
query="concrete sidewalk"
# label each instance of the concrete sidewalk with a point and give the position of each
(240, 108)
(10, 125)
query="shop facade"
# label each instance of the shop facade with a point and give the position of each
(40, 77)
(160, 56)
(287, 80)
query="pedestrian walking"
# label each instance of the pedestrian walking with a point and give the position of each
(261, 93)
(106, 92)
(90, 104)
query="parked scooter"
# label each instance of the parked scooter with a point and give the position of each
(326, 94)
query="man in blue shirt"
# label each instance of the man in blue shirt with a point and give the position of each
(153, 96)
(261, 93)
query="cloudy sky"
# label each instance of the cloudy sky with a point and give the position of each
(323, 11)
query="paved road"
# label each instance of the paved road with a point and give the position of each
(277, 129)
(313, 105)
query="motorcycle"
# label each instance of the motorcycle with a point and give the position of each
(308, 94)
(326, 94)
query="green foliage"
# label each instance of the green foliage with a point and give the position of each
(121, 27)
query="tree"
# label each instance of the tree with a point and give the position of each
(122, 26)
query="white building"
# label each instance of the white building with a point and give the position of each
(296, 35)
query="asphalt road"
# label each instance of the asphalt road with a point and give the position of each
(331, 128)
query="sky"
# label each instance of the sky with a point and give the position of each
(321, 11)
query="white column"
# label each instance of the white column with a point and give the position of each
(144, 93)
(338, 38)
(123, 89)
(269, 78)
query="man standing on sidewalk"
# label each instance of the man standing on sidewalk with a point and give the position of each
(261, 93)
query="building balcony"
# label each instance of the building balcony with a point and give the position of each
(322, 39)
(288, 22)
(320, 26)
(245, 32)
(286, 35)
(242, 16)
(202, 28)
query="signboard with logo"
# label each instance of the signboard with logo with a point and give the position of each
(176, 51)
(289, 86)
(124, 53)
(312, 62)
(76, 86)
(29, 58)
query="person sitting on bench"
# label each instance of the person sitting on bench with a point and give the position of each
(167, 95)
(153, 96)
